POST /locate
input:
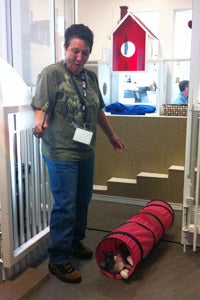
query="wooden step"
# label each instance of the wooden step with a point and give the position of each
(120, 186)
(100, 188)
(122, 180)
(148, 185)
(152, 175)
(177, 168)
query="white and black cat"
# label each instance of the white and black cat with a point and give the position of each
(118, 261)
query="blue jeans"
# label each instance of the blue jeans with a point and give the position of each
(71, 186)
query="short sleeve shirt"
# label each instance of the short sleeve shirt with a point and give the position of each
(55, 89)
(181, 99)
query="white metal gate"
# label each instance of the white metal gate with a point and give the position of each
(26, 210)
(25, 198)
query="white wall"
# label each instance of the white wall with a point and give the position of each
(102, 17)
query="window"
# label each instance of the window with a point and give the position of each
(34, 34)
(30, 37)
(180, 68)
(182, 33)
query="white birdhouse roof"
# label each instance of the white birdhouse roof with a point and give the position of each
(138, 22)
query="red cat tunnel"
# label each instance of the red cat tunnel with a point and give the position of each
(138, 234)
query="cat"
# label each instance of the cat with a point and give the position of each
(118, 261)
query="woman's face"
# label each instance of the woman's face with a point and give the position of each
(76, 55)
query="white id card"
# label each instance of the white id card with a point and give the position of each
(83, 136)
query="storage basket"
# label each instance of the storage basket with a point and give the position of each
(175, 109)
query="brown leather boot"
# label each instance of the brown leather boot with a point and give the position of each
(65, 272)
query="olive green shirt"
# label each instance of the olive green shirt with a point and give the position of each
(56, 91)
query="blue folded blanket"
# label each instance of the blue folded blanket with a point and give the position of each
(117, 108)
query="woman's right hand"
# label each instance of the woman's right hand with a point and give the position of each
(41, 123)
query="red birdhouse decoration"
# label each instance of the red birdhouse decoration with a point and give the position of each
(131, 40)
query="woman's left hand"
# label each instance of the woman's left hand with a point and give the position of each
(117, 143)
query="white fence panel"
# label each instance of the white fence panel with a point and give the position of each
(30, 202)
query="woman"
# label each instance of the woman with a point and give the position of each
(68, 105)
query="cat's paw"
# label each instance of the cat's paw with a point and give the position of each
(124, 273)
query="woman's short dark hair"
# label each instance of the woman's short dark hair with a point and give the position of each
(183, 85)
(79, 31)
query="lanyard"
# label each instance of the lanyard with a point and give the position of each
(82, 98)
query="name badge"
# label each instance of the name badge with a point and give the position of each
(83, 136)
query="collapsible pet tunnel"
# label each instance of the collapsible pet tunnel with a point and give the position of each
(138, 234)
